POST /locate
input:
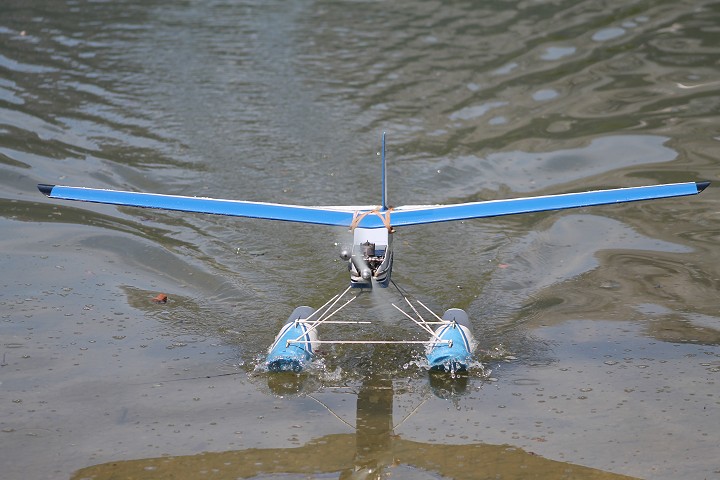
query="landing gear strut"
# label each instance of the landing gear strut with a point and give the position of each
(449, 347)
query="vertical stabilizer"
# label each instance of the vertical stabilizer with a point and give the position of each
(384, 176)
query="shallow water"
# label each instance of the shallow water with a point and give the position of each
(598, 328)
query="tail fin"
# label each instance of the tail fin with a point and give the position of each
(384, 176)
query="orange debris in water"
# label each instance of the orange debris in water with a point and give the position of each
(160, 298)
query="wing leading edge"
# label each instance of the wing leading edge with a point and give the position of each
(237, 208)
(359, 217)
(464, 211)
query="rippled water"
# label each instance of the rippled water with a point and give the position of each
(599, 328)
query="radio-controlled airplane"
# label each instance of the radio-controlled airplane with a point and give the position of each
(370, 259)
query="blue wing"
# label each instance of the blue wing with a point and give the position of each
(400, 216)
(411, 215)
(271, 211)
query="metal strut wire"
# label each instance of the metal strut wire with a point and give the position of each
(323, 315)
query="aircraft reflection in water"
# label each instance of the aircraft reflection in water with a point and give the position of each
(372, 452)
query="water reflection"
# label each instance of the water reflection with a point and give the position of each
(374, 451)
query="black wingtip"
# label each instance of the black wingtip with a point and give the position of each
(45, 189)
(702, 186)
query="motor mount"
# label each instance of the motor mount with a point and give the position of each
(371, 257)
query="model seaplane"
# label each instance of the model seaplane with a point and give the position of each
(450, 342)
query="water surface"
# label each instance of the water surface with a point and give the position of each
(598, 328)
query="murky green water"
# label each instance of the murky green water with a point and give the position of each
(599, 328)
